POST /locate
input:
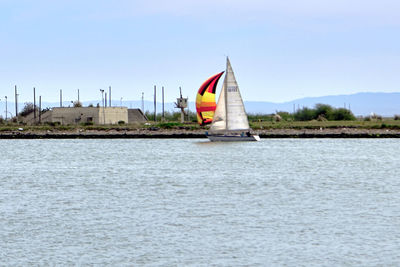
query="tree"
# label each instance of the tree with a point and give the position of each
(304, 114)
(77, 104)
(342, 114)
(27, 109)
(323, 110)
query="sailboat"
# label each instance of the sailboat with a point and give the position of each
(230, 121)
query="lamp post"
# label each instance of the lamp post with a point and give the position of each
(102, 96)
(16, 103)
(102, 101)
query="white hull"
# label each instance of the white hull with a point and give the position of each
(232, 138)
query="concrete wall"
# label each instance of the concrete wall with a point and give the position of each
(75, 115)
(136, 115)
(112, 115)
(30, 118)
(109, 115)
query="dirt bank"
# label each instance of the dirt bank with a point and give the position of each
(182, 133)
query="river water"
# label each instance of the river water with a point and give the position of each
(154, 202)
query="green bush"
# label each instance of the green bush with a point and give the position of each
(342, 114)
(169, 125)
(260, 117)
(286, 116)
(171, 116)
(305, 114)
(368, 118)
(56, 123)
(323, 112)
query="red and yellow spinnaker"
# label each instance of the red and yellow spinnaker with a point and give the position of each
(205, 100)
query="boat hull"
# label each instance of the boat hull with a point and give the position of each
(232, 138)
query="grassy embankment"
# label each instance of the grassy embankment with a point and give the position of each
(385, 123)
(322, 116)
(314, 124)
(125, 127)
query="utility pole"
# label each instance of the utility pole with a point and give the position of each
(60, 98)
(163, 115)
(105, 99)
(188, 110)
(155, 105)
(34, 104)
(6, 108)
(109, 95)
(102, 101)
(40, 109)
(78, 96)
(16, 103)
(143, 102)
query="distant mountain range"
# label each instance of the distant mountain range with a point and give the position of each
(361, 104)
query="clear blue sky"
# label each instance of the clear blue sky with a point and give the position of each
(279, 50)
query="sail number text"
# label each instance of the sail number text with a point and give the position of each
(232, 89)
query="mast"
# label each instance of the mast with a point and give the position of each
(226, 94)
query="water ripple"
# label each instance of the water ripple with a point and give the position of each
(189, 202)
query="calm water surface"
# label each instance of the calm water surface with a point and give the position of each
(189, 202)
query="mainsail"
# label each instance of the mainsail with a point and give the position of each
(205, 100)
(230, 114)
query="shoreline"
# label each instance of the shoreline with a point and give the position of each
(188, 134)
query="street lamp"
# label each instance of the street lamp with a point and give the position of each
(102, 96)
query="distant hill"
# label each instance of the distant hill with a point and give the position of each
(361, 104)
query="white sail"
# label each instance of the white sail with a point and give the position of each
(230, 114)
(236, 114)
(219, 119)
